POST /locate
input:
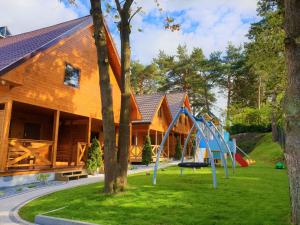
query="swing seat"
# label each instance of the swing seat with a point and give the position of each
(193, 164)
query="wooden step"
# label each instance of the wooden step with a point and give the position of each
(71, 175)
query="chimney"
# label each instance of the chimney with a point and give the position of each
(4, 32)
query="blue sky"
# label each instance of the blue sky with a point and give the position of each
(209, 25)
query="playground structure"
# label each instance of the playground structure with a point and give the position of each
(211, 145)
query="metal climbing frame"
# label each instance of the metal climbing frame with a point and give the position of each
(199, 129)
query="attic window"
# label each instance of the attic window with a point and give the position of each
(71, 76)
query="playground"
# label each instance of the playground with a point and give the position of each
(257, 194)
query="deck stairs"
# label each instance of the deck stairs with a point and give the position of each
(71, 175)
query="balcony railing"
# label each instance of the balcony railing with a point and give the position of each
(136, 152)
(29, 153)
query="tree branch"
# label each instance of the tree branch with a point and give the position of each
(119, 7)
(127, 5)
(136, 12)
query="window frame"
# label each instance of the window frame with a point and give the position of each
(79, 76)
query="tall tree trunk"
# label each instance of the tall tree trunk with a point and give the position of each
(292, 103)
(110, 151)
(274, 122)
(124, 133)
(206, 98)
(228, 98)
(259, 92)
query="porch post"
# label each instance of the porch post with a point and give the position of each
(88, 130)
(55, 136)
(168, 148)
(5, 135)
(156, 137)
(130, 142)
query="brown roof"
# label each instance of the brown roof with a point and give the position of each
(16, 49)
(148, 105)
(175, 101)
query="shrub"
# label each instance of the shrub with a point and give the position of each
(42, 177)
(178, 150)
(147, 151)
(94, 160)
(31, 185)
(242, 128)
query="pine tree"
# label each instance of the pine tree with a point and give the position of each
(178, 150)
(147, 152)
(94, 157)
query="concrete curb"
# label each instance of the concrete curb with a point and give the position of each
(14, 213)
(49, 220)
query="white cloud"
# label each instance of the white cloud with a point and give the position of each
(219, 21)
(22, 16)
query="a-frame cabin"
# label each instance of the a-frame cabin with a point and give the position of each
(183, 125)
(156, 118)
(50, 97)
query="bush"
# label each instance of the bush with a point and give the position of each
(242, 128)
(147, 151)
(178, 150)
(94, 160)
(42, 177)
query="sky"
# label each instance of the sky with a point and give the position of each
(209, 25)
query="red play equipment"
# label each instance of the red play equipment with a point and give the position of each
(241, 160)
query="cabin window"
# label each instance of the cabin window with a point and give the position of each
(2, 106)
(71, 76)
(32, 131)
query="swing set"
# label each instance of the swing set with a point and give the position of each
(206, 133)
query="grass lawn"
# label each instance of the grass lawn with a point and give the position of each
(254, 195)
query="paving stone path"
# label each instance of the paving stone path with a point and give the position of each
(9, 206)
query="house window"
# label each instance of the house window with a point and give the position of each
(2, 106)
(71, 76)
(32, 131)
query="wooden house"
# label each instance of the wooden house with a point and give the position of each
(156, 118)
(50, 103)
(184, 124)
(158, 111)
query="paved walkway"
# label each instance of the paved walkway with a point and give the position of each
(9, 206)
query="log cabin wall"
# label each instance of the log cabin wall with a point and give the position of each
(42, 78)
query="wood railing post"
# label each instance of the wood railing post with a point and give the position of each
(55, 136)
(4, 136)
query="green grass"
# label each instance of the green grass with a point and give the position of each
(267, 151)
(254, 195)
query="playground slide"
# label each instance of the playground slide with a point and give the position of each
(241, 160)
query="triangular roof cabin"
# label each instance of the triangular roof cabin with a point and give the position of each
(176, 101)
(50, 97)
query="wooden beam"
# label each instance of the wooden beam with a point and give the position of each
(168, 148)
(55, 136)
(4, 136)
(156, 137)
(88, 131)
